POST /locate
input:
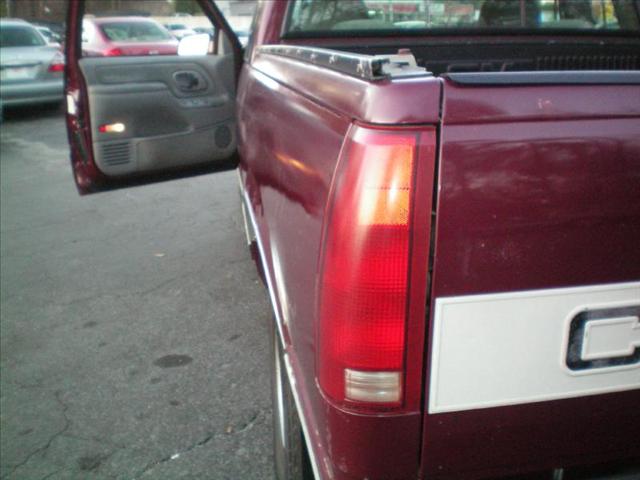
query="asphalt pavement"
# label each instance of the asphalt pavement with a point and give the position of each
(134, 327)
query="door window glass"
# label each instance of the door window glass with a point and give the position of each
(142, 27)
(139, 31)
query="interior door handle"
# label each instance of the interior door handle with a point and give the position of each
(189, 81)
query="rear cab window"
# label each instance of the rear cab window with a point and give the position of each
(330, 17)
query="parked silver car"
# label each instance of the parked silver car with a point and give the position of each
(49, 35)
(31, 70)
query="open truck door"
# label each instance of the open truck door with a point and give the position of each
(141, 116)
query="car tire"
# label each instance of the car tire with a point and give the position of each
(289, 447)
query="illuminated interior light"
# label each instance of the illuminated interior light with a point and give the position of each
(112, 128)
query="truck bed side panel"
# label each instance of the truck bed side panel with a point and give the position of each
(379, 102)
(287, 164)
(298, 116)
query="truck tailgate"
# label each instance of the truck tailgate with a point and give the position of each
(534, 348)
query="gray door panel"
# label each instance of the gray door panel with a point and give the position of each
(176, 111)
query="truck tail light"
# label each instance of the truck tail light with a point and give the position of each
(364, 283)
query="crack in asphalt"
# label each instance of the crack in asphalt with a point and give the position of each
(173, 456)
(140, 293)
(252, 421)
(49, 475)
(118, 296)
(97, 439)
(26, 386)
(67, 424)
(246, 426)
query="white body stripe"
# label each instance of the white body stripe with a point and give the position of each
(506, 349)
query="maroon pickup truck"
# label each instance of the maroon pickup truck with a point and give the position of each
(443, 198)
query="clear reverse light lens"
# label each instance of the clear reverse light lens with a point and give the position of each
(372, 387)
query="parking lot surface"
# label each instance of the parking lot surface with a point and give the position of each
(134, 328)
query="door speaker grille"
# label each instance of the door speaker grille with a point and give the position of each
(118, 153)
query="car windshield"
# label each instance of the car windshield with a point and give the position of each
(134, 32)
(177, 26)
(368, 16)
(19, 36)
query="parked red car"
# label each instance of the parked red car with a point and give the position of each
(445, 205)
(126, 36)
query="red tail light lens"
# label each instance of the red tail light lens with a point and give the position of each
(365, 270)
(57, 64)
(56, 67)
(114, 52)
